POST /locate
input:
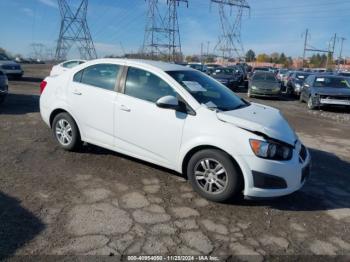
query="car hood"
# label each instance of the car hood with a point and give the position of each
(8, 62)
(261, 119)
(332, 91)
(265, 84)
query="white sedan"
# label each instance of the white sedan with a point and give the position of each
(178, 118)
(65, 66)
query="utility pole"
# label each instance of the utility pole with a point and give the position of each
(342, 39)
(331, 49)
(162, 34)
(208, 44)
(74, 30)
(230, 43)
(202, 53)
(309, 48)
(305, 45)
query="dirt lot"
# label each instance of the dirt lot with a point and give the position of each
(99, 202)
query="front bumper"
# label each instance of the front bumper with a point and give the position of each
(267, 93)
(338, 102)
(286, 176)
(3, 90)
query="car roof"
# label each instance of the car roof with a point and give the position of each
(142, 62)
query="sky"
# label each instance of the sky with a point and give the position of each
(117, 26)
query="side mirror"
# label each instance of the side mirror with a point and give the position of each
(168, 102)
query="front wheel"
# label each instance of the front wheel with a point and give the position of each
(310, 104)
(213, 175)
(66, 132)
(249, 94)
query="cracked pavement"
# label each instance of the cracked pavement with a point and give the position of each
(97, 202)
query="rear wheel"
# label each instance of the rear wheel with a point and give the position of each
(66, 132)
(213, 175)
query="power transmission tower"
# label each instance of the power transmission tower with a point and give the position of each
(230, 43)
(37, 51)
(162, 34)
(74, 30)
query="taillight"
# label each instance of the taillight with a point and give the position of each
(42, 86)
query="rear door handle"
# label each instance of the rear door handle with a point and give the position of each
(77, 93)
(124, 108)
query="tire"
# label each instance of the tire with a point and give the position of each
(301, 100)
(206, 182)
(249, 95)
(66, 132)
(310, 104)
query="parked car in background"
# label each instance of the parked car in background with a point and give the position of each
(265, 69)
(344, 73)
(241, 73)
(264, 84)
(213, 66)
(65, 66)
(178, 118)
(281, 73)
(3, 86)
(295, 82)
(258, 69)
(325, 90)
(10, 67)
(198, 66)
(285, 80)
(228, 77)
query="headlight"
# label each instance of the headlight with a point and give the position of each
(254, 87)
(297, 85)
(271, 150)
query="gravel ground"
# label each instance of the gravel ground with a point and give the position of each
(99, 202)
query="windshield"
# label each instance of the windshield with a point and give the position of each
(3, 57)
(208, 91)
(264, 77)
(336, 82)
(302, 76)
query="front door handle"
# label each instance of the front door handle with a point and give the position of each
(124, 108)
(77, 93)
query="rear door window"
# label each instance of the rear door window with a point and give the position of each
(102, 76)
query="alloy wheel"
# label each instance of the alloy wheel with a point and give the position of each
(211, 176)
(64, 132)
